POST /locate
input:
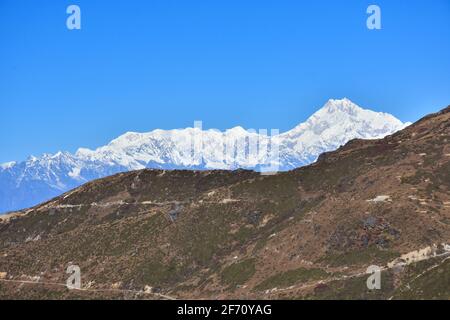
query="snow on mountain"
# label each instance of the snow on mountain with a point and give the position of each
(338, 121)
(7, 165)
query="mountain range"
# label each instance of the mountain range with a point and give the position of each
(37, 179)
(308, 233)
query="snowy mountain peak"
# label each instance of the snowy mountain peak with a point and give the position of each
(125, 139)
(237, 130)
(7, 165)
(342, 119)
(343, 105)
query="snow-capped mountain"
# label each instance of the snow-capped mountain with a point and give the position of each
(38, 179)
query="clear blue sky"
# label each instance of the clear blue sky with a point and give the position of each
(141, 65)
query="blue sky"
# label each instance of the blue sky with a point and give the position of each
(141, 65)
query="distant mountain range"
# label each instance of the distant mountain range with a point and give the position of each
(38, 179)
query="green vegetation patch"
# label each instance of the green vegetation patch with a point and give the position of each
(156, 273)
(371, 255)
(426, 280)
(354, 289)
(291, 277)
(238, 273)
